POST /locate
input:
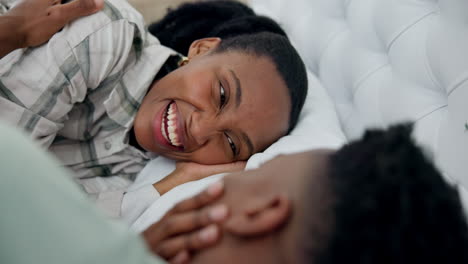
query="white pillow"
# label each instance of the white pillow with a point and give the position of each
(318, 127)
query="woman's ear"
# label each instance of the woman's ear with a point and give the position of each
(260, 216)
(202, 46)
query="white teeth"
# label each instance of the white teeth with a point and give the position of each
(170, 121)
(163, 131)
(171, 109)
(171, 116)
(173, 137)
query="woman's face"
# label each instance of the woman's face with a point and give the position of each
(218, 108)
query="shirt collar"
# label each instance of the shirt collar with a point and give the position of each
(125, 99)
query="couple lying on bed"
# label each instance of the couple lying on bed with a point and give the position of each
(375, 200)
(105, 96)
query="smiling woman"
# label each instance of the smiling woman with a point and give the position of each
(220, 107)
(105, 96)
(242, 90)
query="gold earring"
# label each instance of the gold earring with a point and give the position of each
(184, 60)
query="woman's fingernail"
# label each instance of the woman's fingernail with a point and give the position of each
(218, 212)
(215, 188)
(209, 234)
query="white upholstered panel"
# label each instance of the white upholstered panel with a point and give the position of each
(386, 61)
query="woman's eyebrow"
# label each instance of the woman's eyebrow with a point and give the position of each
(238, 88)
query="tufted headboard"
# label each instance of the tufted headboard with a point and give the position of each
(387, 61)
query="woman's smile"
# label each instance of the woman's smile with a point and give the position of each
(169, 127)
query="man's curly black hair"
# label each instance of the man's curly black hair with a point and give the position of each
(391, 205)
(240, 30)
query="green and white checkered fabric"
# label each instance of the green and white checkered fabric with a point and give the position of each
(78, 94)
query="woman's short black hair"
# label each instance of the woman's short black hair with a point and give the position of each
(240, 30)
(391, 205)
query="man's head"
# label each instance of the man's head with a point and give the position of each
(376, 200)
(242, 89)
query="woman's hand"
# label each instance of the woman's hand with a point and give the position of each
(190, 171)
(191, 225)
(33, 22)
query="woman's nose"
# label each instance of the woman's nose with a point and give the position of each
(203, 127)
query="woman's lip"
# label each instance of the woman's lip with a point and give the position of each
(158, 121)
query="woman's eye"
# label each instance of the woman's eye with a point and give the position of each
(222, 96)
(232, 145)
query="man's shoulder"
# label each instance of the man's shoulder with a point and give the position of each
(115, 15)
(121, 10)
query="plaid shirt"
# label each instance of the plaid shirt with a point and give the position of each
(78, 94)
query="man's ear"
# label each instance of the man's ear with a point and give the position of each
(202, 46)
(260, 216)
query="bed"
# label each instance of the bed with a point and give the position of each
(372, 63)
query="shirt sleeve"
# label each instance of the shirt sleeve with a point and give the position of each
(3, 7)
(137, 201)
(111, 196)
(40, 86)
(35, 93)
